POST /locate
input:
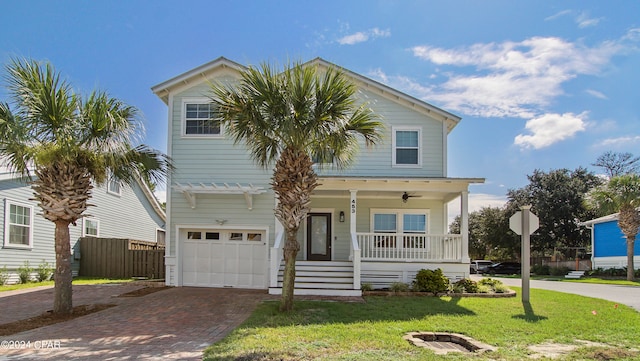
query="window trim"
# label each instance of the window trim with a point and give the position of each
(183, 119)
(400, 218)
(165, 236)
(84, 226)
(7, 224)
(394, 130)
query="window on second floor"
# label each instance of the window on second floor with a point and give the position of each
(406, 147)
(114, 187)
(198, 119)
(18, 225)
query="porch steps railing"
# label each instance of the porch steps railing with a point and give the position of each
(325, 278)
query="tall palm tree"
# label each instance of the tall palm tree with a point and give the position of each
(622, 194)
(289, 118)
(69, 143)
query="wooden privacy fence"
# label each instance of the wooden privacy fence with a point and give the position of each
(120, 258)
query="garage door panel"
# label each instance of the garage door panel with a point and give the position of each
(224, 263)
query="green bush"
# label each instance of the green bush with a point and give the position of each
(24, 272)
(399, 287)
(501, 288)
(484, 289)
(541, 270)
(465, 285)
(44, 271)
(430, 281)
(366, 287)
(559, 271)
(4, 276)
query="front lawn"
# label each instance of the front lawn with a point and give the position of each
(373, 330)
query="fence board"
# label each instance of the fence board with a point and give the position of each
(121, 258)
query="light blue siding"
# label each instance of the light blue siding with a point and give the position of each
(129, 215)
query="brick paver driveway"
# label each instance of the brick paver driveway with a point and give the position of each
(172, 324)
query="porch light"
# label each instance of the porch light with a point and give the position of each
(341, 216)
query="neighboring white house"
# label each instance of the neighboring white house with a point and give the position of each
(377, 222)
(609, 244)
(120, 211)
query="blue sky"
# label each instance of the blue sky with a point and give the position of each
(539, 84)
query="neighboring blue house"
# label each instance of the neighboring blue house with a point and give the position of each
(609, 244)
(120, 212)
(378, 222)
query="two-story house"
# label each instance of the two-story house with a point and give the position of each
(377, 222)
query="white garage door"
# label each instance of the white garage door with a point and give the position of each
(224, 258)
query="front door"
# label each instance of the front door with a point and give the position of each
(319, 237)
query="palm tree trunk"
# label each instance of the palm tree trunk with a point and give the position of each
(63, 293)
(630, 267)
(290, 251)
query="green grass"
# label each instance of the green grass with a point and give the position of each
(374, 330)
(76, 281)
(597, 280)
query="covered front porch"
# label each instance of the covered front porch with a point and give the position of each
(378, 231)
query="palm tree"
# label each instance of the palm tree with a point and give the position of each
(622, 194)
(69, 143)
(289, 118)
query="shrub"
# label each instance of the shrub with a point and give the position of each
(540, 269)
(44, 271)
(465, 285)
(24, 272)
(4, 276)
(430, 281)
(399, 287)
(366, 287)
(501, 288)
(484, 289)
(559, 271)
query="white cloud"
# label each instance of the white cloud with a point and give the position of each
(161, 195)
(596, 94)
(620, 141)
(512, 79)
(584, 21)
(549, 129)
(362, 36)
(558, 14)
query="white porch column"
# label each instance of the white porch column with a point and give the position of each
(464, 225)
(352, 212)
(355, 247)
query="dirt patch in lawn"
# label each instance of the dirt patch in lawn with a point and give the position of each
(49, 318)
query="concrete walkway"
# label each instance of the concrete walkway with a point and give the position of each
(626, 295)
(172, 324)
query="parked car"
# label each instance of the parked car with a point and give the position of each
(507, 268)
(479, 265)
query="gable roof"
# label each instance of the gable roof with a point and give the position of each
(202, 72)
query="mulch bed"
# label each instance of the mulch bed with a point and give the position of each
(143, 291)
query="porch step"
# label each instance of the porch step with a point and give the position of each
(322, 276)
(574, 274)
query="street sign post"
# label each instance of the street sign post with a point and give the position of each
(524, 223)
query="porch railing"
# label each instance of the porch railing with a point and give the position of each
(410, 247)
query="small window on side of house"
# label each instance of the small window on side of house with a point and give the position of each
(198, 119)
(114, 186)
(90, 227)
(406, 147)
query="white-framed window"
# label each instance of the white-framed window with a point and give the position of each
(18, 224)
(114, 186)
(197, 114)
(400, 221)
(406, 147)
(90, 227)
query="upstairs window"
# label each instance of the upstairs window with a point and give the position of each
(406, 147)
(198, 120)
(18, 225)
(114, 187)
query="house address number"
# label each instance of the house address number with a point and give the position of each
(353, 206)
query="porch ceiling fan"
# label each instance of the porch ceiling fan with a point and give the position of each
(406, 196)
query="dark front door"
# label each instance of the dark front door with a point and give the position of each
(319, 237)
